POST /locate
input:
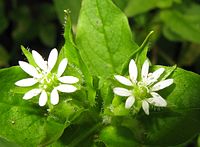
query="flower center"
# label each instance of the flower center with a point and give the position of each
(140, 91)
(48, 80)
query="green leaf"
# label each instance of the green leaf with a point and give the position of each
(171, 35)
(179, 121)
(28, 55)
(121, 4)
(136, 7)
(188, 22)
(5, 143)
(117, 136)
(24, 122)
(140, 54)
(70, 51)
(103, 37)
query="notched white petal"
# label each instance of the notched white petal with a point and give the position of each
(133, 72)
(39, 60)
(43, 98)
(54, 97)
(26, 82)
(31, 93)
(162, 84)
(129, 102)
(154, 94)
(52, 59)
(66, 88)
(157, 100)
(145, 70)
(155, 75)
(29, 69)
(68, 79)
(145, 107)
(158, 73)
(122, 91)
(62, 66)
(123, 80)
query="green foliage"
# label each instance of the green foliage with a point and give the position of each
(71, 52)
(103, 40)
(117, 136)
(103, 47)
(25, 123)
(136, 7)
(180, 115)
(183, 22)
(5, 143)
(21, 122)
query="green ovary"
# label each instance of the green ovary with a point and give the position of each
(140, 92)
(49, 81)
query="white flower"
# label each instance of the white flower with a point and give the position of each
(49, 83)
(143, 89)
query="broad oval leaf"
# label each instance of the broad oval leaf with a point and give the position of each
(103, 37)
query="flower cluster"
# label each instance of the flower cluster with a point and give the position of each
(141, 89)
(49, 83)
(144, 90)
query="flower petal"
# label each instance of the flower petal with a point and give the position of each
(157, 100)
(154, 76)
(62, 66)
(29, 69)
(145, 70)
(129, 102)
(26, 82)
(54, 97)
(133, 72)
(31, 93)
(122, 91)
(66, 88)
(145, 107)
(123, 80)
(52, 59)
(39, 60)
(43, 98)
(68, 79)
(162, 85)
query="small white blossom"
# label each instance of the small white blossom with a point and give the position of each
(142, 89)
(49, 82)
